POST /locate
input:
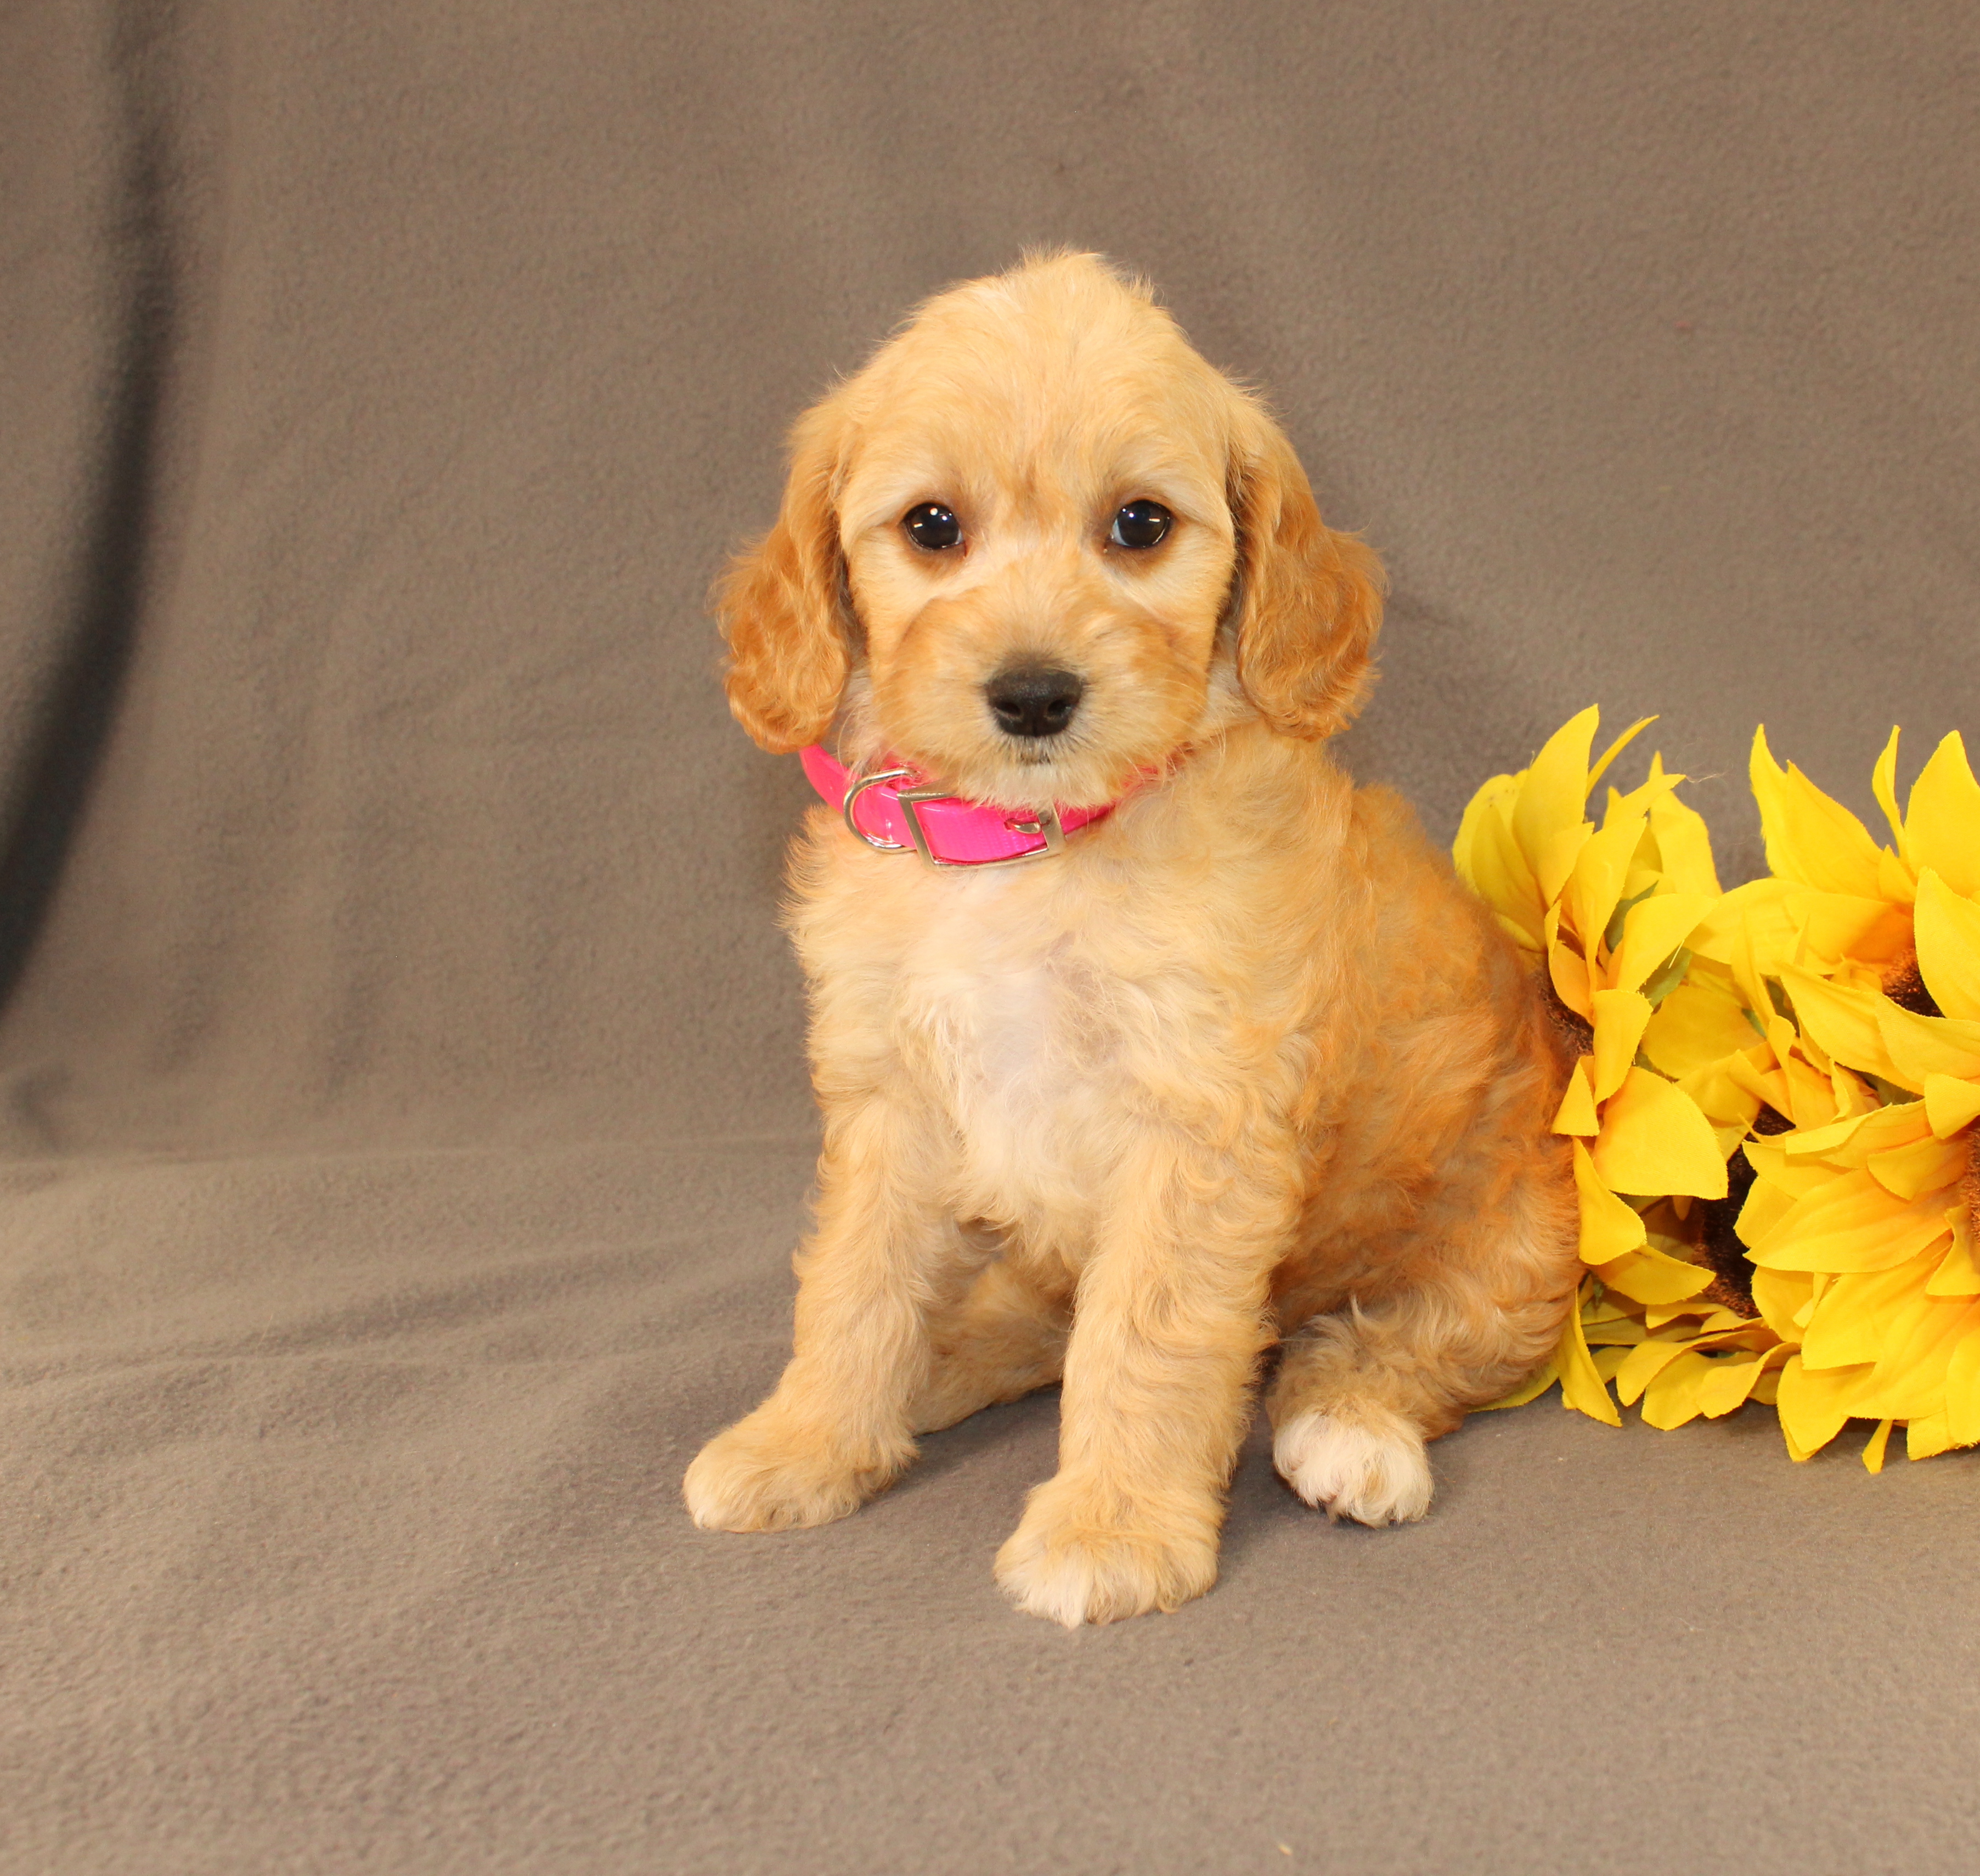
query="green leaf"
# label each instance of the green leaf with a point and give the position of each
(1613, 936)
(1667, 976)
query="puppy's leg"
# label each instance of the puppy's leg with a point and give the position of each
(837, 1429)
(1167, 1326)
(1004, 1338)
(1350, 1413)
(1359, 1392)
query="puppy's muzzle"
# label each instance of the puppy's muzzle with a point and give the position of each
(1034, 700)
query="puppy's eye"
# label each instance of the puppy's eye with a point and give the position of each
(1141, 523)
(930, 525)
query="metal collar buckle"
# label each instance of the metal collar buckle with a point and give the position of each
(1045, 823)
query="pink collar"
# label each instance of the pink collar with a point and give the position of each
(895, 811)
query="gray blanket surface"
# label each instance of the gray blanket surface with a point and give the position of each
(402, 1122)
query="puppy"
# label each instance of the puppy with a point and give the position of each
(1234, 1061)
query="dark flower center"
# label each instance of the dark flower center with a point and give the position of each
(1905, 988)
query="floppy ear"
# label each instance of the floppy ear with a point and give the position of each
(781, 604)
(1309, 598)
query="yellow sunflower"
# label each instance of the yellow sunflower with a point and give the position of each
(1799, 1017)
(1810, 949)
(1862, 1230)
(1834, 894)
(1606, 912)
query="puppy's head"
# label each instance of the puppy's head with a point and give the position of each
(1038, 544)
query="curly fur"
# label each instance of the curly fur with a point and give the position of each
(1244, 1065)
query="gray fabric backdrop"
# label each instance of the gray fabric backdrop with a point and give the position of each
(403, 1127)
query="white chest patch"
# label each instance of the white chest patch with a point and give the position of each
(1022, 1057)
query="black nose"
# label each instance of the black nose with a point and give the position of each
(1027, 701)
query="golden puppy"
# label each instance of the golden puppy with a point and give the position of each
(1240, 1062)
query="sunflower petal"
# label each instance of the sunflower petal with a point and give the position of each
(1814, 1404)
(1770, 1158)
(1920, 1046)
(1853, 1320)
(1493, 799)
(1962, 1393)
(1577, 1114)
(1780, 1295)
(1651, 931)
(1615, 749)
(1917, 1351)
(1947, 936)
(1650, 1275)
(1582, 1386)
(1566, 968)
(1850, 1224)
(1684, 846)
(1758, 907)
(1502, 877)
(1943, 827)
(1672, 1398)
(1549, 802)
(1835, 925)
(1609, 1228)
(1927, 1436)
(1956, 1276)
(1810, 838)
(1929, 1165)
(1642, 1365)
(1884, 786)
(1951, 1104)
(1731, 1108)
(1599, 871)
(1850, 1141)
(1620, 1018)
(1698, 1025)
(1844, 1020)
(1895, 879)
(1655, 1139)
(1731, 1384)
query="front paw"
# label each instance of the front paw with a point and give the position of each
(1084, 1554)
(769, 1472)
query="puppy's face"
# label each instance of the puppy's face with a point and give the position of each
(1010, 545)
(1038, 545)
